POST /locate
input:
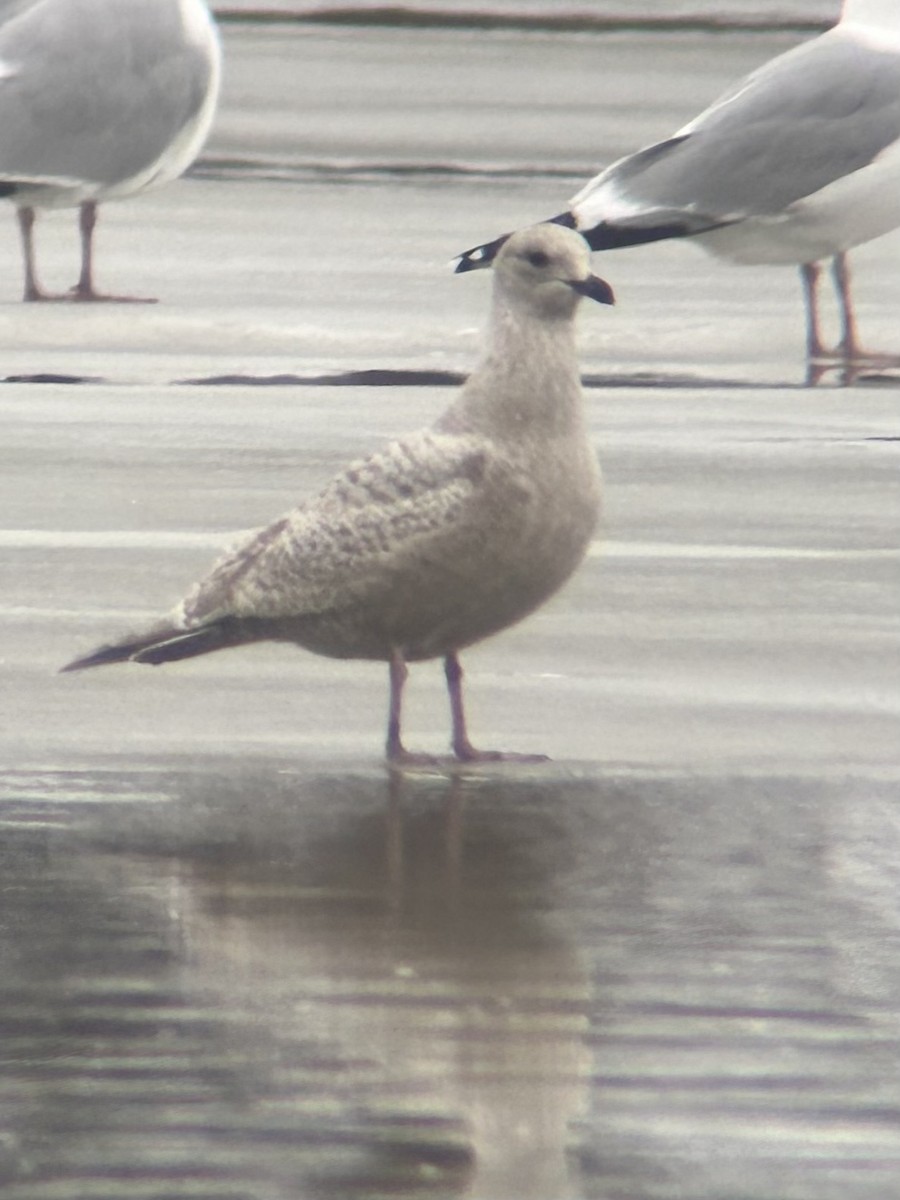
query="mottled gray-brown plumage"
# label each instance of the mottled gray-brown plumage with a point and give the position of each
(445, 536)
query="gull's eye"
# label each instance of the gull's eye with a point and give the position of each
(538, 258)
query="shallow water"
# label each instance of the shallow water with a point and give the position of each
(238, 959)
(224, 979)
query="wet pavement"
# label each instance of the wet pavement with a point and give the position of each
(238, 958)
(262, 981)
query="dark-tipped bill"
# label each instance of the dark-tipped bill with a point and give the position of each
(594, 288)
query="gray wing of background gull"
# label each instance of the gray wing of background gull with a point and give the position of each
(799, 123)
(798, 163)
(81, 111)
(100, 98)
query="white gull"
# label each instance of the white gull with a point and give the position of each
(446, 536)
(796, 164)
(99, 99)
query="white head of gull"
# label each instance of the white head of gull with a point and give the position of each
(797, 163)
(99, 99)
(444, 537)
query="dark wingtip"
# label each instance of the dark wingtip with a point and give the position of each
(176, 646)
(479, 256)
(483, 256)
(165, 645)
(99, 658)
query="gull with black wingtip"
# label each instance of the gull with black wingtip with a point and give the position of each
(796, 164)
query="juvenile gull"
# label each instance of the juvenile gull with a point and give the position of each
(99, 99)
(795, 164)
(446, 536)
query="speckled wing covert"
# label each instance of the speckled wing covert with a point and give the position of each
(338, 547)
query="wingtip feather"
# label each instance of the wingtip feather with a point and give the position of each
(101, 657)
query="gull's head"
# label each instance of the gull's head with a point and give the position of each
(546, 270)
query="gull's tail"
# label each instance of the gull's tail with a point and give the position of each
(160, 645)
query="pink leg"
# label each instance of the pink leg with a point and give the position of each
(848, 353)
(87, 220)
(33, 290)
(848, 347)
(398, 675)
(809, 275)
(84, 289)
(462, 747)
(396, 751)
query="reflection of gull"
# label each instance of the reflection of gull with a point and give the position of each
(100, 98)
(445, 537)
(410, 957)
(797, 163)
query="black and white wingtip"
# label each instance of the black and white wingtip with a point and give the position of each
(483, 256)
(479, 256)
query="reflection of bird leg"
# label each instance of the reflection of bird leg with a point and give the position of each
(452, 839)
(394, 839)
(454, 832)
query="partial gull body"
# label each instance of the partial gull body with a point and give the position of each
(446, 536)
(99, 99)
(797, 163)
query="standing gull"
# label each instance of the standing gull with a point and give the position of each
(446, 536)
(795, 164)
(99, 99)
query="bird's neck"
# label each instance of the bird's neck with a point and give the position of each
(529, 381)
